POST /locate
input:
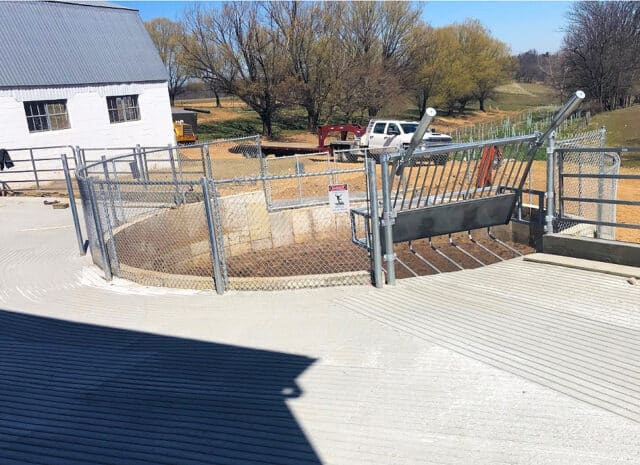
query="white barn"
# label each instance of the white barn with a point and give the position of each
(80, 73)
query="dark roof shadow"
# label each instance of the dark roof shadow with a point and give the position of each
(78, 394)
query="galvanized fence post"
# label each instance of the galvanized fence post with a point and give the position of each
(262, 168)
(105, 168)
(138, 151)
(106, 266)
(599, 208)
(113, 256)
(145, 163)
(215, 258)
(376, 248)
(72, 204)
(204, 164)
(121, 218)
(551, 148)
(208, 172)
(174, 175)
(388, 219)
(217, 222)
(35, 170)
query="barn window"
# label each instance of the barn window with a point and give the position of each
(123, 108)
(48, 115)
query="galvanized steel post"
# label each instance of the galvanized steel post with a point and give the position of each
(106, 266)
(215, 258)
(174, 176)
(35, 170)
(72, 204)
(376, 247)
(208, 172)
(601, 165)
(105, 168)
(551, 148)
(388, 219)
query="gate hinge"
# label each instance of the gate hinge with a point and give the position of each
(388, 257)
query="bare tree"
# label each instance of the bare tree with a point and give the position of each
(601, 51)
(168, 38)
(237, 48)
(377, 37)
(313, 52)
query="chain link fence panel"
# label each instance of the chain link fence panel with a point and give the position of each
(289, 248)
(148, 221)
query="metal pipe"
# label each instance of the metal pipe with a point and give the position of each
(72, 204)
(35, 171)
(217, 274)
(424, 260)
(113, 256)
(174, 176)
(107, 179)
(375, 223)
(106, 265)
(563, 113)
(388, 219)
(551, 148)
(208, 172)
(425, 121)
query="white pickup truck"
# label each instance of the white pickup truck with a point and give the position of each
(387, 133)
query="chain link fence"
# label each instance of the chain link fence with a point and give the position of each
(598, 192)
(198, 217)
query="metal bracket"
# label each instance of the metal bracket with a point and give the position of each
(388, 257)
(389, 218)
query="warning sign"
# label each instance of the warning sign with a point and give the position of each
(339, 198)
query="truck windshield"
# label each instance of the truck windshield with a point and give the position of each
(409, 128)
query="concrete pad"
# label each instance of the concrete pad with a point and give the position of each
(519, 362)
(587, 265)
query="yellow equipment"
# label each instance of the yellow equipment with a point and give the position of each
(184, 133)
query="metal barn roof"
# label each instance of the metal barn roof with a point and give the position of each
(74, 43)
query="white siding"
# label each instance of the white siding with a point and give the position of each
(89, 120)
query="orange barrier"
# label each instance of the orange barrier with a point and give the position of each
(485, 168)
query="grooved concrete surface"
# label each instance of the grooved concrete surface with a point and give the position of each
(518, 363)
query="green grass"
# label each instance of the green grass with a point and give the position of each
(623, 130)
(231, 128)
(286, 122)
(521, 96)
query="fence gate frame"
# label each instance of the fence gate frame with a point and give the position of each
(600, 177)
(483, 211)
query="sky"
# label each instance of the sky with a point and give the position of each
(522, 25)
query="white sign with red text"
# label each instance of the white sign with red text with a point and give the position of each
(339, 198)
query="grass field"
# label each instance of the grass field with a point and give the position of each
(623, 130)
(235, 119)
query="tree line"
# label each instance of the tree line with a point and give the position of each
(600, 54)
(331, 58)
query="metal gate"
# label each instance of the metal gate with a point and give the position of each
(436, 191)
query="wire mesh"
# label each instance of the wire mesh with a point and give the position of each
(302, 180)
(147, 218)
(599, 193)
(152, 235)
(289, 248)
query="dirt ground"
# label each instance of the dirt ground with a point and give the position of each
(322, 257)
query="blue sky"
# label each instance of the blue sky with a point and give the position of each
(522, 25)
